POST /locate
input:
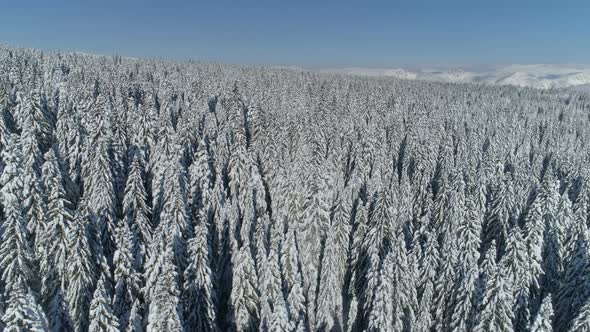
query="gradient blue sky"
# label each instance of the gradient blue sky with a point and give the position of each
(309, 33)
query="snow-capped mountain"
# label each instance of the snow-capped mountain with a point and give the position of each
(539, 76)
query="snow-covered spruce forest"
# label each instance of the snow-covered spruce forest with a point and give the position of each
(151, 195)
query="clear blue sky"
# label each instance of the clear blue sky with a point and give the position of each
(309, 33)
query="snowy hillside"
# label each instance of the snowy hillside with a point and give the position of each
(537, 76)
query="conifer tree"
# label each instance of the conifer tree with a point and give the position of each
(450, 209)
(515, 262)
(428, 268)
(496, 314)
(135, 318)
(358, 229)
(575, 287)
(54, 243)
(330, 302)
(376, 240)
(201, 179)
(127, 280)
(32, 113)
(316, 215)
(382, 309)
(245, 298)
(465, 282)
(165, 307)
(582, 322)
(136, 211)
(293, 281)
(274, 313)
(81, 274)
(487, 270)
(33, 200)
(23, 313)
(539, 214)
(163, 152)
(16, 255)
(73, 155)
(199, 297)
(102, 318)
(174, 219)
(102, 197)
(501, 211)
(543, 322)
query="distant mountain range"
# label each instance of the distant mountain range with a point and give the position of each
(538, 76)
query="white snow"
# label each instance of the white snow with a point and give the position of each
(544, 76)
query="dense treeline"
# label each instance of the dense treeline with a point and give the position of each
(162, 196)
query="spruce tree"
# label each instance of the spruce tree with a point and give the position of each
(55, 244)
(428, 268)
(496, 314)
(100, 192)
(17, 260)
(293, 281)
(274, 313)
(199, 296)
(174, 219)
(33, 201)
(135, 318)
(543, 322)
(102, 318)
(136, 212)
(381, 316)
(316, 216)
(582, 322)
(81, 274)
(333, 268)
(376, 240)
(127, 279)
(245, 298)
(23, 313)
(165, 310)
(575, 287)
